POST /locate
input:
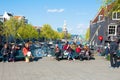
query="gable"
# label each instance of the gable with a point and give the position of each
(102, 12)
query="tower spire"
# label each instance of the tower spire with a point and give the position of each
(65, 26)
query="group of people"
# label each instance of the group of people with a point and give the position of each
(9, 52)
(71, 49)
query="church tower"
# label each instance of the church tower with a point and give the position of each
(65, 29)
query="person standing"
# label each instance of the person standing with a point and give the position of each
(107, 50)
(113, 55)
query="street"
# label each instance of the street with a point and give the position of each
(50, 69)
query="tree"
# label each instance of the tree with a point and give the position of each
(61, 35)
(56, 35)
(68, 36)
(1, 28)
(114, 3)
(19, 29)
(47, 32)
(87, 35)
(10, 27)
(27, 32)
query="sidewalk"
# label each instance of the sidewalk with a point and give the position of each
(50, 69)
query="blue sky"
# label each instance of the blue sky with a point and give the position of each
(77, 13)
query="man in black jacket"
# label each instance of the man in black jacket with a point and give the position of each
(113, 49)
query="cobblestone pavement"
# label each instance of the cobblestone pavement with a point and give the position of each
(50, 69)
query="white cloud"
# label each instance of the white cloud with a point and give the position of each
(55, 10)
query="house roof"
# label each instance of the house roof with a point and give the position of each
(37, 27)
(18, 17)
(9, 14)
(102, 12)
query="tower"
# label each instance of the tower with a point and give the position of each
(64, 26)
(65, 29)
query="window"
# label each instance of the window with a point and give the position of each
(118, 30)
(116, 16)
(112, 29)
(100, 17)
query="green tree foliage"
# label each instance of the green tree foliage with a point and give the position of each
(1, 28)
(107, 2)
(13, 27)
(10, 27)
(1, 23)
(61, 35)
(47, 32)
(19, 29)
(87, 35)
(115, 6)
(68, 35)
(27, 32)
(56, 35)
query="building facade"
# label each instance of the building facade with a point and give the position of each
(105, 26)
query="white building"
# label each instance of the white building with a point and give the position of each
(7, 16)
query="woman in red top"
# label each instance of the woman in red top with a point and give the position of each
(65, 46)
(27, 53)
(26, 49)
(78, 49)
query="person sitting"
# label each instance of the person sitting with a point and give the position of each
(13, 52)
(5, 52)
(70, 54)
(27, 53)
(57, 52)
(78, 51)
(73, 47)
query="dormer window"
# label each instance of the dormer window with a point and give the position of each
(100, 17)
(116, 15)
